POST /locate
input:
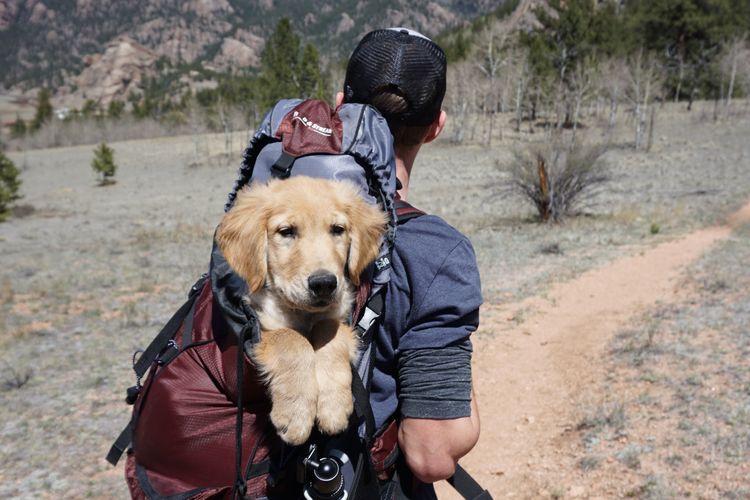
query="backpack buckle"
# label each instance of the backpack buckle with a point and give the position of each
(282, 167)
(168, 354)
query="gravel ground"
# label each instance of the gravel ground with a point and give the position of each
(93, 272)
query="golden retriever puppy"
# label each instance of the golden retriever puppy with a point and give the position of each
(301, 245)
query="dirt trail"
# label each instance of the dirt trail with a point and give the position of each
(535, 357)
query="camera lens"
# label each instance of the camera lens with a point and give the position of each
(328, 479)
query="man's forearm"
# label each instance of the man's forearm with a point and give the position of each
(432, 447)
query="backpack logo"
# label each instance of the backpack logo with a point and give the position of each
(383, 263)
(326, 132)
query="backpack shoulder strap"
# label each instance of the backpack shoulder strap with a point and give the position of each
(406, 212)
(156, 351)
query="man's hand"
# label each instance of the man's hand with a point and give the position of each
(432, 448)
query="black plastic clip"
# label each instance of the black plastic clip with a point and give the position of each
(169, 353)
(282, 168)
(132, 393)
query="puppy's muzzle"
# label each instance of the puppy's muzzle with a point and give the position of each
(322, 284)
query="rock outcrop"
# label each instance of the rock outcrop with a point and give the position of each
(113, 75)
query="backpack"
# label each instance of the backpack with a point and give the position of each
(201, 394)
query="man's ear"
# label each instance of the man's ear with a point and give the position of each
(436, 127)
(339, 99)
(242, 238)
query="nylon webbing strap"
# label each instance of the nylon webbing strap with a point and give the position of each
(362, 403)
(121, 444)
(168, 332)
(148, 357)
(160, 342)
(405, 211)
(466, 486)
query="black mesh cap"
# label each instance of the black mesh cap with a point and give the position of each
(400, 61)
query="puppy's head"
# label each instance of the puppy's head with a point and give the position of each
(304, 239)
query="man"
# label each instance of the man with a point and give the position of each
(422, 373)
(189, 435)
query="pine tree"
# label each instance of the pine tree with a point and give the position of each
(290, 70)
(280, 62)
(9, 185)
(18, 128)
(115, 109)
(687, 34)
(104, 164)
(313, 83)
(44, 109)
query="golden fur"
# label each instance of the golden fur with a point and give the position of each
(279, 237)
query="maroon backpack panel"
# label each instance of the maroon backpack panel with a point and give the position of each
(188, 413)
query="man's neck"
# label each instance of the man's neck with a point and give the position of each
(405, 157)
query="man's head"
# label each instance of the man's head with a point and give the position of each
(402, 73)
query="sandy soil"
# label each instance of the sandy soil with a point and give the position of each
(528, 381)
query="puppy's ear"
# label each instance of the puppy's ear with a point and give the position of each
(367, 227)
(243, 237)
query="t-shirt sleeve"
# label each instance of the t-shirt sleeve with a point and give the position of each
(446, 311)
(436, 383)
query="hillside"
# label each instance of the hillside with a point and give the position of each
(46, 42)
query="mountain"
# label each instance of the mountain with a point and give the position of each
(52, 42)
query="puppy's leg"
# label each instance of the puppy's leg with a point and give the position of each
(287, 361)
(335, 348)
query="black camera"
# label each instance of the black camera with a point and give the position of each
(328, 477)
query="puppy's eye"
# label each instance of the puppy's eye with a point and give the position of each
(287, 231)
(337, 229)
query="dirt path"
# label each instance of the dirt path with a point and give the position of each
(536, 356)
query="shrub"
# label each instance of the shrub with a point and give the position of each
(558, 180)
(18, 128)
(104, 164)
(9, 185)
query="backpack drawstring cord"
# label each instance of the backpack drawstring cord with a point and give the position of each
(240, 485)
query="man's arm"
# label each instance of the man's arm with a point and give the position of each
(432, 459)
(439, 422)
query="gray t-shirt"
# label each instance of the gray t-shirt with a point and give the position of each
(422, 363)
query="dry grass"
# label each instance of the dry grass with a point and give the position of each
(93, 273)
(681, 376)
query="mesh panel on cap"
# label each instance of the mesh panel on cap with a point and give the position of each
(411, 64)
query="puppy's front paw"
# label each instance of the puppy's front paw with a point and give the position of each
(334, 409)
(293, 421)
(287, 361)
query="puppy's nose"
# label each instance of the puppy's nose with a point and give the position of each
(322, 283)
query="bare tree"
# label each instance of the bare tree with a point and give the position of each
(489, 61)
(458, 100)
(614, 80)
(581, 86)
(195, 122)
(522, 76)
(223, 112)
(737, 47)
(641, 80)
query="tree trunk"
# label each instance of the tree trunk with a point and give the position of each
(576, 112)
(736, 44)
(693, 91)
(651, 129)
(638, 126)
(544, 211)
(519, 100)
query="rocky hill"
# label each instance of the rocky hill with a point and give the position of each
(56, 42)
